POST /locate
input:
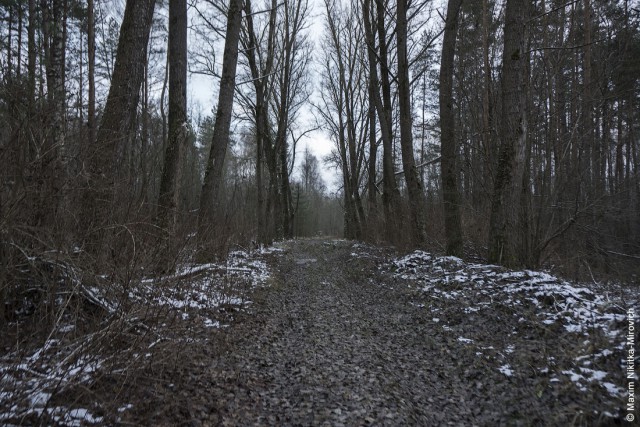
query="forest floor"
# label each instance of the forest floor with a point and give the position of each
(332, 332)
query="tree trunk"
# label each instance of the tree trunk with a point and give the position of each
(91, 53)
(372, 188)
(178, 126)
(19, 47)
(55, 73)
(210, 197)
(488, 146)
(260, 76)
(417, 199)
(9, 45)
(128, 74)
(504, 244)
(450, 195)
(119, 115)
(50, 165)
(390, 193)
(31, 60)
(374, 99)
(290, 30)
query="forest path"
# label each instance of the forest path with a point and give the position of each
(331, 344)
(346, 334)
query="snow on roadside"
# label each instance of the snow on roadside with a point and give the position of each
(590, 323)
(577, 309)
(30, 380)
(197, 289)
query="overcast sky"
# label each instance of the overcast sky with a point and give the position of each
(203, 91)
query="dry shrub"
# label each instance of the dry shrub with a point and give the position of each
(78, 343)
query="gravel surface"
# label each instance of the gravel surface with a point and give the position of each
(336, 349)
(335, 340)
(337, 333)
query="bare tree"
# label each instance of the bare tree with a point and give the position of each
(119, 114)
(210, 198)
(417, 199)
(344, 108)
(390, 193)
(449, 148)
(290, 92)
(260, 57)
(178, 126)
(507, 230)
(91, 53)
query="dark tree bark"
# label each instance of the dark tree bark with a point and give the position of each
(260, 75)
(384, 107)
(49, 185)
(19, 47)
(55, 55)
(372, 188)
(91, 53)
(9, 42)
(178, 126)
(504, 232)
(291, 26)
(128, 74)
(449, 148)
(488, 146)
(374, 100)
(417, 199)
(210, 198)
(119, 116)
(31, 59)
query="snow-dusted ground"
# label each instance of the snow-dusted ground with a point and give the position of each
(138, 316)
(585, 324)
(533, 342)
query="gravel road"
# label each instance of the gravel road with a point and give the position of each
(335, 342)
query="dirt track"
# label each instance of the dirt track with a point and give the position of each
(335, 341)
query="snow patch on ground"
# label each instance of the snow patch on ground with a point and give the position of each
(29, 381)
(577, 309)
(506, 369)
(590, 322)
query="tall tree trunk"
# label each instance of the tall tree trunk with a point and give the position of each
(55, 71)
(91, 53)
(31, 59)
(504, 245)
(128, 74)
(210, 198)
(50, 165)
(417, 199)
(178, 126)
(9, 42)
(19, 47)
(144, 195)
(260, 76)
(597, 187)
(450, 195)
(290, 30)
(374, 100)
(119, 116)
(372, 188)
(489, 149)
(390, 193)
